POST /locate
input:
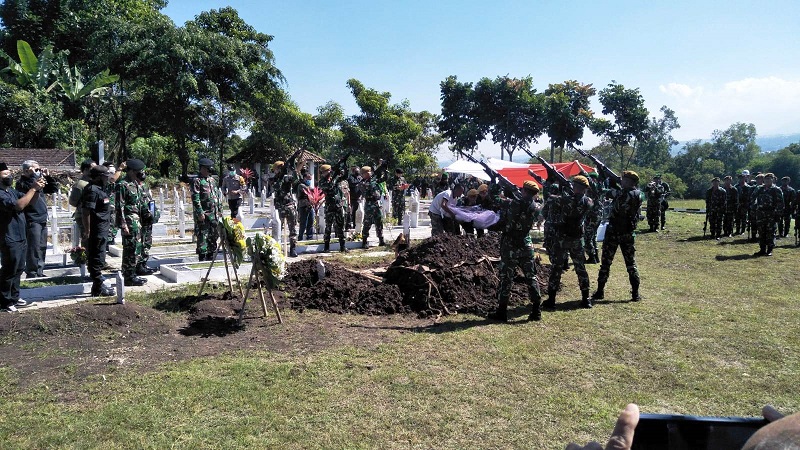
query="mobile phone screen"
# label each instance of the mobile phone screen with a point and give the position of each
(672, 432)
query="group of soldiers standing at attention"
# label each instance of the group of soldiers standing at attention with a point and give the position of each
(758, 207)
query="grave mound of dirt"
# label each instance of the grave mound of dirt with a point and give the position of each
(445, 274)
(341, 291)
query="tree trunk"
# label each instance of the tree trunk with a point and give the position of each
(552, 151)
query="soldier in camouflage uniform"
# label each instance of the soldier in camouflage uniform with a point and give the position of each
(516, 248)
(593, 219)
(398, 196)
(550, 192)
(715, 207)
(285, 180)
(574, 207)
(743, 188)
(372, 206)
(753, 220)
(334, 204)
(621, 232)
(207, 208)
(767, 206)
(129, 208)
(655, 195)
(148, 216)
(785, 222)
(731, 207)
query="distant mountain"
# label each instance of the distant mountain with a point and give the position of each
(767, 143)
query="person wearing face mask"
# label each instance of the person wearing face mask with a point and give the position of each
(36, 217)
(232, 186)
(96, 216)
(130, 198)
(13, 242)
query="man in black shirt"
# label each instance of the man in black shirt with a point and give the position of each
(13, 242)
(96, 216)
(35, 217)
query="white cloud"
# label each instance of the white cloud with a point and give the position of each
(770, 103)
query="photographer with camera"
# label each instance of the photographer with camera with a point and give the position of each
(36, 216)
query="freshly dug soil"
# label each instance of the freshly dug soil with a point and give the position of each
(341, 291)
(445, 274)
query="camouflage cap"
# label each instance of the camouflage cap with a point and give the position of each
(580, 179)
(530, 186)
(631, 175)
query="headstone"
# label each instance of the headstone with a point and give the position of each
(181, 219)
(54, 231)
(407, 225)
(276, 226)
(76, 238)
(360, 216)
(386, 205)
(414, 209)
(252, 195)
(263, 196)
(161, 200)
(321, 220)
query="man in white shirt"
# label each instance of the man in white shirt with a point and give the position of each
(441, 221)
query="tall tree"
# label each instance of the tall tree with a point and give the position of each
(513, 110)
(567, 114)
(736, 146)
(655, 149)
(459, 122)
(630, 119)
(387, 131)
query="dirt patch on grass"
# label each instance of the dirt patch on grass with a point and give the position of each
(443, 275)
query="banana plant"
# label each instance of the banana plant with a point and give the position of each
(73, 88)
(32, 71)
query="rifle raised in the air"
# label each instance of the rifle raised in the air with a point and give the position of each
(602, 169)
(495, 175)
(551, 172)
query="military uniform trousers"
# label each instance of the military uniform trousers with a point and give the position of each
(625, 243)
(515, 254)
(563, 249)
(398, 206)
(131, 248)
(288, 215)
(207, 237)
(653, 213)
(334, 218)
(372, 215)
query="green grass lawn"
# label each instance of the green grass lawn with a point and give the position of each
(716, 334)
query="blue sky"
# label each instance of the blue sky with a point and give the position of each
(713, 62)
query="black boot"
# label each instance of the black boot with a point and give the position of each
(635, 297)
(292, 251)
(550, 303)
(201, 257)
(536, 308)
(364, 242)
(769, 251)
(135, 281)
(586, 302)
(501, 315)
(380, 241)
(599, 294)
(327, 247)
(343, 246)
(761, 252)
